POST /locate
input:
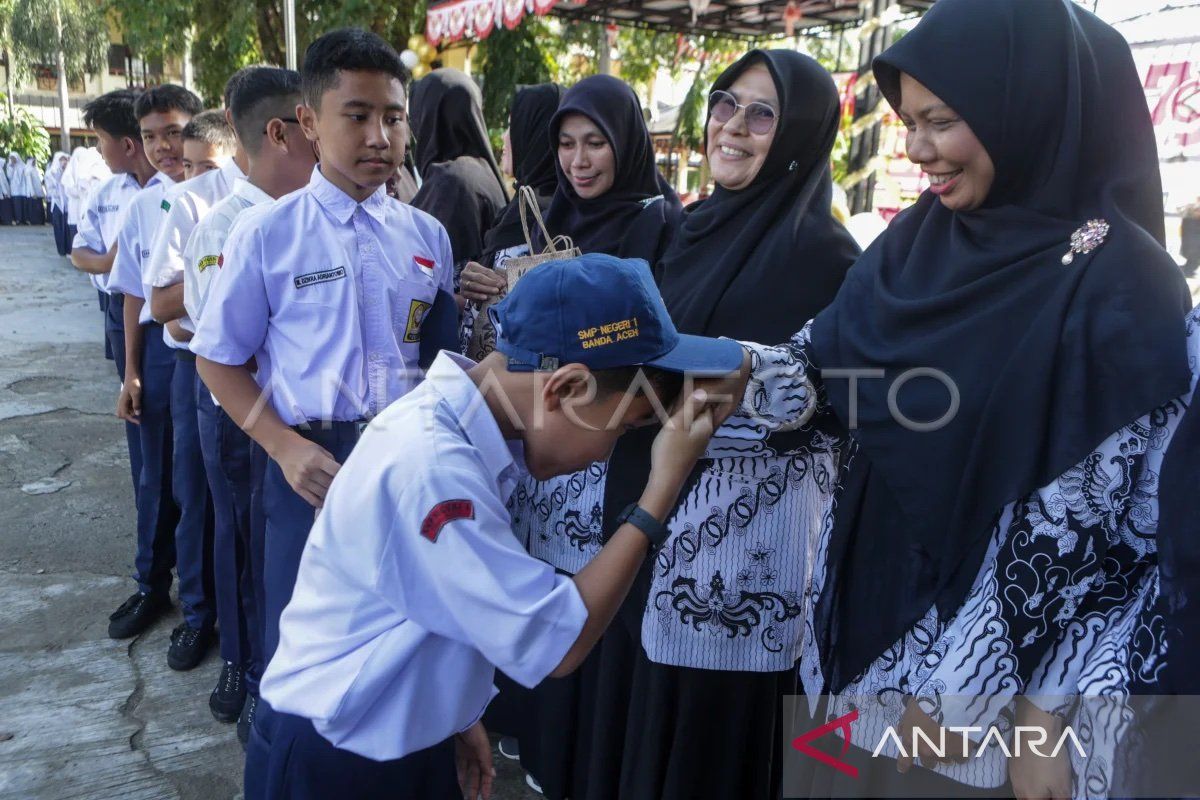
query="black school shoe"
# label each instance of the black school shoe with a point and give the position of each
(246, 720)
(188, 646)
(229, 696)
(136, 615)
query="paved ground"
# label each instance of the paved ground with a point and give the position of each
(82, 716)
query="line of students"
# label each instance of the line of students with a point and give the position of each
(378, 630)
(23, 191)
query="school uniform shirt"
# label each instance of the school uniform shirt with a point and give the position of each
(103, 213)
(412, 588)
(328, 295)
(130, 274)
(202, 254)
(185, 205)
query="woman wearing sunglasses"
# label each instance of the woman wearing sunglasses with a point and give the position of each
(713, 630)
(682, 695)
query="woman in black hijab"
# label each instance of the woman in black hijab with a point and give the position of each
(461, 185)
(762, 253)
(530, 156)
(1018, 314)
(636, 215)
(533, 159)
(610, 199)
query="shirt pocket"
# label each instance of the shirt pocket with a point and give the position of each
(326, 287)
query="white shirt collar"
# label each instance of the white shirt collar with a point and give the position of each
(247, 191)
(447, 376)
(341, 205)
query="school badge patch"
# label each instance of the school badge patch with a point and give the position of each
(445, 512)
(416, 315)
(166, 206)
(208, 261)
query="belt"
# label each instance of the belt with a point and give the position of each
(314, 427)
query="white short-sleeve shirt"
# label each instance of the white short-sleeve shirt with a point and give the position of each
(131, 271)
(413, 588)
(101, 217)
(202, 255)
(186, 204)
(328, 295)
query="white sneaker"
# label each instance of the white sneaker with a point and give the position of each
(532, 784)
(509, 748)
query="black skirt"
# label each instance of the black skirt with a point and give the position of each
(7, 213)
(625, 727)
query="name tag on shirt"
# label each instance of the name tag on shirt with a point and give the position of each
(324, 276)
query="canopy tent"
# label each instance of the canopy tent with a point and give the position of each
(451, 20)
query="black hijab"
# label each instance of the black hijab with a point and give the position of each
(626, 221)
(1048, 359)
(533, 160)
(758, 263)
(461, 184)
(754, 264)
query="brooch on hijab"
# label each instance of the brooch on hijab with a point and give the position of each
(1086, 239)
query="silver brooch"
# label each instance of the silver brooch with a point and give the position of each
(1086, 239)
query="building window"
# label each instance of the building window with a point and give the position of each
(117, 57)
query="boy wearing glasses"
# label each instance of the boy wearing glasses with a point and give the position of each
(280, 160)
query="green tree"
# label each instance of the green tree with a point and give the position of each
(74, 29)
(508, 59)
(21, 132)
(227, 35)
(71, 35)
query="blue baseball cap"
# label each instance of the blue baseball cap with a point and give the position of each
(603, 312)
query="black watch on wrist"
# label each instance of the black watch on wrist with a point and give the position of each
(645, 522)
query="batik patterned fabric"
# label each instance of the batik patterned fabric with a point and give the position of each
(1065, 605)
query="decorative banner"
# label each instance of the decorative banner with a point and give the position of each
(475, 19)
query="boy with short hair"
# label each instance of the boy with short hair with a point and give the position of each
(94, 246)
(145, 398)
(208, 142)
(327, 291)
(414, 588)
(281, 159)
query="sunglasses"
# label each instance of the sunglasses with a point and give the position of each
(760, 117)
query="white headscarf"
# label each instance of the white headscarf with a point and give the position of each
(85, 169)
(15, 170)
(33, 178)
(54, 171)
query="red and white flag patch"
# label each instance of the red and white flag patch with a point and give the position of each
(445, 512)
(426, 265)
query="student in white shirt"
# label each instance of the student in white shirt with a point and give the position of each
(413, 587)
(146, 391)
(327, 292)
(280, 161)
(94, 248)
(96, 213)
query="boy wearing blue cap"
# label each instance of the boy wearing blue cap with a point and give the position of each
(413, 588)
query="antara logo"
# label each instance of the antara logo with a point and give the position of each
(842, 723)
(1023, 736)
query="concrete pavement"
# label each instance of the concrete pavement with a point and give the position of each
(82, 716)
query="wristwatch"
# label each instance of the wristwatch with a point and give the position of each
(641, 519)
